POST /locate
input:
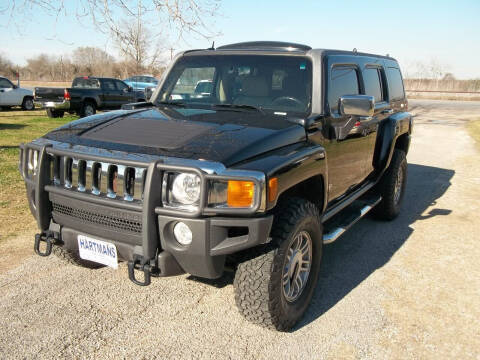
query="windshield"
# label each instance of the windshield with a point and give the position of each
(281, 84)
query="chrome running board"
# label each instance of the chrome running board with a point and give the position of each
(347, 218)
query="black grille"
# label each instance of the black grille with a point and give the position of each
(90, 217)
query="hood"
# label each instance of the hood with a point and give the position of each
(224, 136)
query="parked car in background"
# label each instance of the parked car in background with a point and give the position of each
(140, 82)
(149, 92)
(204, 88)
(12, 95)
(86, 96)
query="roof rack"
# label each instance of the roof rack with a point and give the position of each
(266, 45)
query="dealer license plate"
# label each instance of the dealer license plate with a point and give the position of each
(98, 251)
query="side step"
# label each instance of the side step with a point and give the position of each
(340, 223)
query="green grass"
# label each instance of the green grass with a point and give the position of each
(17, 127)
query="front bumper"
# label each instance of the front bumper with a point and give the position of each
(204, 257)
(141, 229)
(56, 105)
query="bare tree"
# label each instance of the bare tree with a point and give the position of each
(6, 66)
(427, 70)
(176, 18)
(93, 60)
(138, 49)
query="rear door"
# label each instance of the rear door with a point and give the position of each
(374, 84)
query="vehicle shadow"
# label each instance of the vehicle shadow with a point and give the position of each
(370, 244)
(11, 126)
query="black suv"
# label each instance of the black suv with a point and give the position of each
(286, 148)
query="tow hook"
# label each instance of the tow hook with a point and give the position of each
(48, 238)
(136, 264)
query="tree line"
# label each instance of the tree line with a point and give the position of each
(83, 61)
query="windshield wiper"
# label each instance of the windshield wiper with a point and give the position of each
(238, 106)
(174, 103)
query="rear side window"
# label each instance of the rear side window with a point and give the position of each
(373, 84)
(343, 81)
(86, 83)
(395, 84)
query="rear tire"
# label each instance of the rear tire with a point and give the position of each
(28, 104)
(392, 187)
(55, 113)
(88, 109)
(73, 258)
(274, 285)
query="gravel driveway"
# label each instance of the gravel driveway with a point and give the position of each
(403, 289)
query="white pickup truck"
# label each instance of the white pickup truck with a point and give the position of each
(12, 95)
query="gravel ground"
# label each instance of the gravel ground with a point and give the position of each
(403, 289)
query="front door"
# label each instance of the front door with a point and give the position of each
(347, 145)
(110, 94)
(125, 94)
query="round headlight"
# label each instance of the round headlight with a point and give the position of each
(186, 188)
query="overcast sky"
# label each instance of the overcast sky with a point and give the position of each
(446, 32)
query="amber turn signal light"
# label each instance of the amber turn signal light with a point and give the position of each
(240, 193)
(272, 189)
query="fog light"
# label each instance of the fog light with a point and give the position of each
(182, 233)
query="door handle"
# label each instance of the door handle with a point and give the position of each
(387, 111)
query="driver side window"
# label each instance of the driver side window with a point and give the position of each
(5, 84)
(343, 81)
(121, 85)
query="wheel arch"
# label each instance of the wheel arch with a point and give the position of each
(311, 189)
(91, 99)
(393, 133)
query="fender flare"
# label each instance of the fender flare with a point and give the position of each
(388, 133)
(304, 165)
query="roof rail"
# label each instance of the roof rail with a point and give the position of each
(266, 45)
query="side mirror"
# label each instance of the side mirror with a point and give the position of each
(356, 105)
(130, 89)
(15, 86)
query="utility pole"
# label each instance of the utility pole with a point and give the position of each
(138, 33)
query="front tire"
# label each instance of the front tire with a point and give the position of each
(274, 285)
(28, 104)
(392, 187)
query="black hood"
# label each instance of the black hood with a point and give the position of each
(224, 136)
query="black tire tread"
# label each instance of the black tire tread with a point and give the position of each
(387, 209)
(253, 292)
(82, 111)
(25, 100)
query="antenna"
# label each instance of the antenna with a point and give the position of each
(213, 46)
